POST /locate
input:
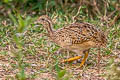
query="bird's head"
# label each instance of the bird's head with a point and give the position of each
(44, 20)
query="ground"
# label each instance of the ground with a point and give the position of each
(36, 60)
(26, 53)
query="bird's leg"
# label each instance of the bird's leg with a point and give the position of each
(85, 57)
(74, 58)
(71, 59)
(67, 60)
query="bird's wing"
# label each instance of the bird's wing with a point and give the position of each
(76, 33)
(81, 32)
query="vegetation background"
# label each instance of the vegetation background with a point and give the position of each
(27, 54)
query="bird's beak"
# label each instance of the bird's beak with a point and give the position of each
(36, 22)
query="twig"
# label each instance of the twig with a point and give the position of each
(46, 9)
(99, 58)
(105, 11)
(87, 3)
(96, 8)
(73, 18)
(111, 14)
(114, 20)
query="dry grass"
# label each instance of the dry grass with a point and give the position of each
(29, 55)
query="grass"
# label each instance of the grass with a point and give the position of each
(27, 54)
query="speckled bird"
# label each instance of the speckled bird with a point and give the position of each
(76, 37)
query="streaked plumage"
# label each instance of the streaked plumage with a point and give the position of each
(76, 37)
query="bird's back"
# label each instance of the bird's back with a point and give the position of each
(78, 36)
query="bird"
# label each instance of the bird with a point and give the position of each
(77, 37)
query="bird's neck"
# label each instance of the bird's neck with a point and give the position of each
(49, 25)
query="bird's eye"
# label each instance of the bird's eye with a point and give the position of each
(42, 19)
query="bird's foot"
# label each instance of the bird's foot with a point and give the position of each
(71, 59)
(83, 61)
